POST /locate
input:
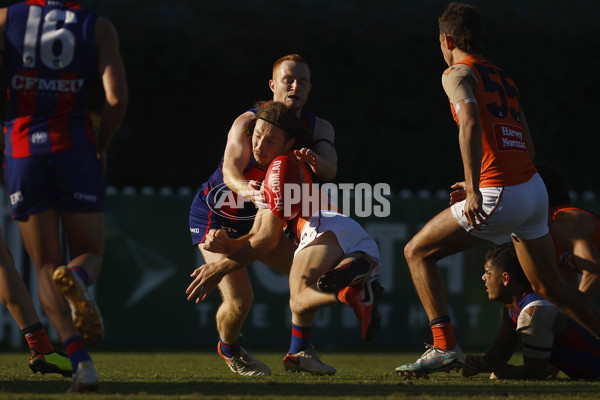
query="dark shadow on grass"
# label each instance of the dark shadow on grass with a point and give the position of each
(311, 390)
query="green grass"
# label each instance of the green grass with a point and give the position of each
(177, 375)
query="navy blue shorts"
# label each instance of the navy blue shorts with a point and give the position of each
(203, 218)
(71, 181)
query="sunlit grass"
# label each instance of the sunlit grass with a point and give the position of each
(180, 375)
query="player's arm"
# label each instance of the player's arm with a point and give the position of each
(469, 137)
(527, 135)
(3, 12)
(238, 152)
(262, 240)
(532, 369)
(324, 160)
(217, 241)
(497, 354)
(459, 84)
(112, 72)
(535, 327)
(573, 231)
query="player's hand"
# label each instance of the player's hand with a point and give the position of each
(474, 209)
(216, 241)
(307, 156)
(473, 365)
(458, 194)
(253, 193)
(206, 278)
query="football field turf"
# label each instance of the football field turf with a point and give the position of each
(203, 375)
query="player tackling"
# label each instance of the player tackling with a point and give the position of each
(336, 261)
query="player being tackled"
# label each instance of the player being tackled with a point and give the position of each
(325, 238)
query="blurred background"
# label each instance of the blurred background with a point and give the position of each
(194, 66)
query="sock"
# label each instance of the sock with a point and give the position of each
(300, 338)
(82, 273)
(76, 351)
(443, 336)
(229, 350)
(37, 339)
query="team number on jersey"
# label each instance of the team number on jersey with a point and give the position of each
(57, 45)
(504, 90)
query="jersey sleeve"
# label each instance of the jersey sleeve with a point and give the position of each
(536, 331)
(460, 83)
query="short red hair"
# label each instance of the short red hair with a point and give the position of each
(290, 57)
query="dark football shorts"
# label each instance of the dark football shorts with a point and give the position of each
(71, 181)
(204, 218)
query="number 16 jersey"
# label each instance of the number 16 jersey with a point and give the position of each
(51, 67)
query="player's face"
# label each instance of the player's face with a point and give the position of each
(268, 142)
(291, 85)
(492, 277)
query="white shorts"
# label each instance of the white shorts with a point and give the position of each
(350, 235)
(520, 210)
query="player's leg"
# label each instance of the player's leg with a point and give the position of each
(15, 296)
(363, 293)
(13, 292)
(85, 238)
(237, 297)
(354, 269)
(309, 264)
(281, 257)
(440, 237)
(40, 185)
(79, 195)
(40, 233)
(537, 259)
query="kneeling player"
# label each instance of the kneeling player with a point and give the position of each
(336, 261)
(549, 337)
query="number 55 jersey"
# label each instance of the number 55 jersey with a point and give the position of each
(505, 140)
(51, 67)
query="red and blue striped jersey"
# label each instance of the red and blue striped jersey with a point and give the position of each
(51, 67)
(575, 351)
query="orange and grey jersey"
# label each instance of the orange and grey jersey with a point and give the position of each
(505, 156)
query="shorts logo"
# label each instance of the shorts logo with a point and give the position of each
(195, 230)
(15, 198)
(90, 198)
(39, 137)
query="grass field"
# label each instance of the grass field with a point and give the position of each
(178, 375)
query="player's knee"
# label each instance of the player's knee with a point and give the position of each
(411, 252)
(239, 305)
(297, 306)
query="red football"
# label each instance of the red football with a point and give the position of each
(283, 187)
